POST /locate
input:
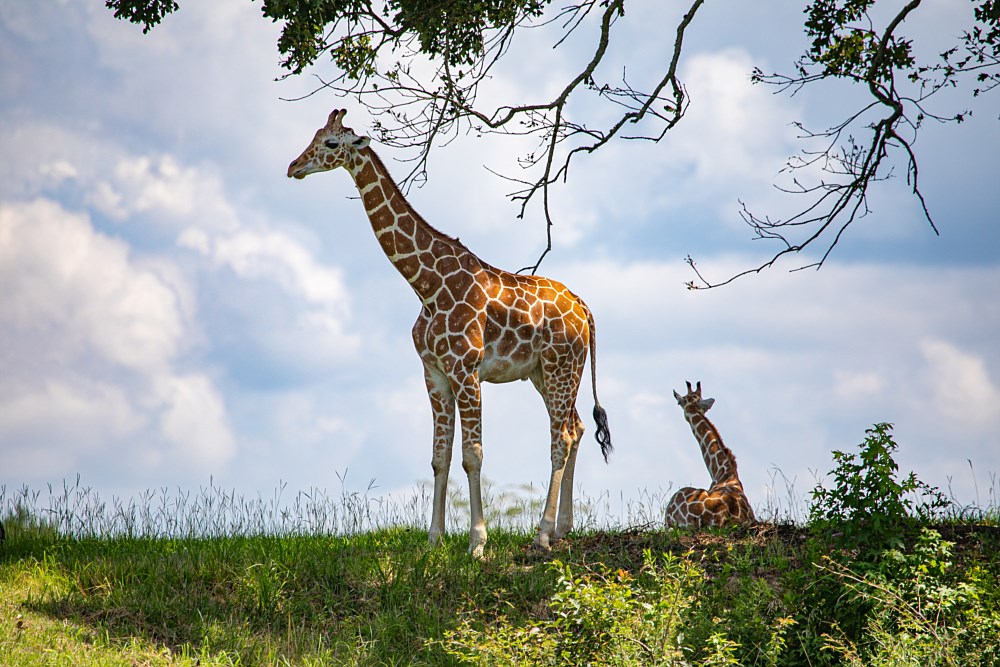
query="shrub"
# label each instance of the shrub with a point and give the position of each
(604, 617)
(869, 508)
(921, 613)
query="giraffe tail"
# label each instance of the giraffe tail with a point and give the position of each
(603, 433)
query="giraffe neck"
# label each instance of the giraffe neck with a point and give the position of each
(719, 459)
(421, 254)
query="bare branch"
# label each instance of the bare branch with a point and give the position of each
(848, 169)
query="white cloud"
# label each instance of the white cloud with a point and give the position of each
(86, 411)
(735, 136)
(231, 327)
(316, 332)
(91, 339)
(857, 385)
(275, 255)
(961, 386)
(194, 420)
(71, 292)
(799, 365)
(160, 186)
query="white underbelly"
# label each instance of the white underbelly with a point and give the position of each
(498, 371)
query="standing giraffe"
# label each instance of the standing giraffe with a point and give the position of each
(478, 324)
(724, 502)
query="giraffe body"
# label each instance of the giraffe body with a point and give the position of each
(477, 324)
(724, 502)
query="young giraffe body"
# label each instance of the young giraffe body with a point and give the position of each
(478, 324)
(724, 502)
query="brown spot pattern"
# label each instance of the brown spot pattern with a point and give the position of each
(478, 323)
(724, 502)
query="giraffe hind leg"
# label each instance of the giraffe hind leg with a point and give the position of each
(564, 520)
(558, 381)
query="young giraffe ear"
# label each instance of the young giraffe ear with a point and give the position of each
(707, 403)
(677, 396)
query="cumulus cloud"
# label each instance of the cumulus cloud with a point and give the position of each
(75, 293)
(961, 385)
(194, 419)
(793, 375)
(90, 342)
(307, 327)
(273, 255)
(170, 192)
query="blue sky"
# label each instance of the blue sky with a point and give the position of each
(176, 310)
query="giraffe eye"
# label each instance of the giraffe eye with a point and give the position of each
(331, 143)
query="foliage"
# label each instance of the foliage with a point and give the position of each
(921, 614)
(868, 507)
(454, 30)
(148, 13)
(844, 50)
(604, 617)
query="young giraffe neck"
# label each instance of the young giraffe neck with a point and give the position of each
(421, 254)
(719, 459)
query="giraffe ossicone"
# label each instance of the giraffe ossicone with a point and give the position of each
(724, 502)
(478, 324)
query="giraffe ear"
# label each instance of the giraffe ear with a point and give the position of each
(707, 403)
(361, 142)
(677, 396)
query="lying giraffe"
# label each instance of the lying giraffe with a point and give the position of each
(478, 324)
(724, 502)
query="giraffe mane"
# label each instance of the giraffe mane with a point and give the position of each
(451, 240)
(722, 445)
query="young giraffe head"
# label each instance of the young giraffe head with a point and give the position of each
(335, 145)
(692, 402)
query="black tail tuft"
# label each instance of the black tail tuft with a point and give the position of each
(603, 434)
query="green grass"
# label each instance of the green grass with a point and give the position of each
(215, 579)
(386, 598)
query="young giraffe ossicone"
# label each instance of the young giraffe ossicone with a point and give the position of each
(478, 324)
(724, 502)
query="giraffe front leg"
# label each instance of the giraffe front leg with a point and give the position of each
(470, 413)
(443, 406)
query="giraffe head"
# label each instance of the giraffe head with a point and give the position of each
(692, 401)
(334, 145)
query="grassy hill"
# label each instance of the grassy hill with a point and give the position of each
(839, 588)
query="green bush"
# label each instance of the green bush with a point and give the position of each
(922, 613)
(604, 617)
(868, 508)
